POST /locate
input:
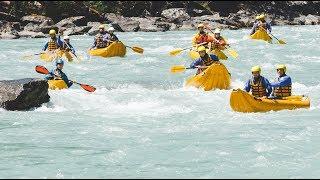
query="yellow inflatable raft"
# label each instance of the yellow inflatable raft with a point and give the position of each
(242, 101)
(51, 56)
(114, 49)
(195, 55)
(261, 34)
(214, 77)
(57, 84)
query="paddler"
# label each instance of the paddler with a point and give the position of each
(282, 85)
(204, 61)
(261, 22)
(57, 73)
(202, 38)
(111, 37)
(66, 45)
(100, 40)
(259, 85)
(218, 41)
(54, 43)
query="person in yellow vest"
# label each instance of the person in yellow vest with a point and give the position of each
(261, 22)
(218, 41)
(202, 38)
(282, 86)
(100, 40)
(204, 61)
(54, 42)
(259, 85)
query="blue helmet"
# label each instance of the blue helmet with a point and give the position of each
(59, 61)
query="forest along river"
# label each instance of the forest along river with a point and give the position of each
(142, 123)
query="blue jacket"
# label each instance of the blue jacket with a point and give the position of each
(59, 43)
(104, 38)
(199, 62)
(265, 83)
(284, 80)
(63, 76)
(71, 47)
(257, 23)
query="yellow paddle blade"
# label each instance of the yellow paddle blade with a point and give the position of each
(233, 53)
(281, 42)
(137, 49)
(176, 52)
(177, 69)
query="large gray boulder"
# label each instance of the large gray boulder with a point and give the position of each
(175, 15)
(35, 19)
(23, 94)
(312, 19)
(31, 34)
(77, 30)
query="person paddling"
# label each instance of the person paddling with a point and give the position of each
(202, 38)
(58, 74)
(259, 85)
(261, 22)
(54, 42)
(111, 37)
(283, 84)
(100, 40)
(67, 46)
(204, 61)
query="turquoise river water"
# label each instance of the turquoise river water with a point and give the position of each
(141, 122)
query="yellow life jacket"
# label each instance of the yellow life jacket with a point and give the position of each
(257, 89)
(52, 45)
(284, 91)
(208, 61)
(100, 42)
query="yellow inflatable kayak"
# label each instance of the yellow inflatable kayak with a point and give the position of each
(261, 35)
(57, 84)
(51, 56)
(242, 101)
(114, 49)
(195, 55)
(214, 77)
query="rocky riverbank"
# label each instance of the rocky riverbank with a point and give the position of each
(171, 19)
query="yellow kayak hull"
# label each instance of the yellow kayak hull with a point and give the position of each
(261, 35)
(114, 49)
(57, 84)
(221, 55)
(51, 56)
(214, 77)
(242, 101)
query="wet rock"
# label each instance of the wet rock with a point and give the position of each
(312, 19)
(35, 19)
(72, 22)
(94, 28)
(147, 24)
(299, 20)
(7, 17)
(77, 30)
(31, 34)
(9, 36)
(7, 27)
(23, 94)
(188, 26)
(175, 15)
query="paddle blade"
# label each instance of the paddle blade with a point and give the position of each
(88, 87)
(177, 69)
(41, 70)
(176, 52)
(233, 53)
(281, 42)
(137, 49)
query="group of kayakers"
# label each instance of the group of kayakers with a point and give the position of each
(258, 85)
(101, 40)
(203, 42)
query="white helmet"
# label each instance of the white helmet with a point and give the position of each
(66, 37)
(217, 31)
(111, 29)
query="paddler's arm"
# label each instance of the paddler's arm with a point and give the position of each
(268, 25)
(253, 30)
(266, 84)
(284, 81)
(195, 63)
(247, 86)
(45, 47)
(66, 80)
